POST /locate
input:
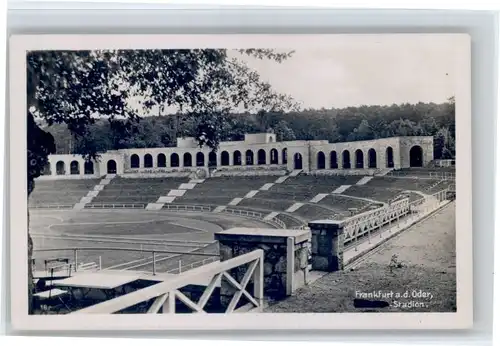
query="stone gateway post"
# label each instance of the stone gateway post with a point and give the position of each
(285, 258)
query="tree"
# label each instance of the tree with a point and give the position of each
(76, 88)
(283, 131)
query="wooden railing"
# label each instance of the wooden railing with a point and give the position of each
(365, 223)
(165, 294)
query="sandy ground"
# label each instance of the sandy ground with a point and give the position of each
(425, 282)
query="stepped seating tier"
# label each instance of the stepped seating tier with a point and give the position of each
(343, 204)
(221, 190)
(305, 187)
(60, 192)
(310, 212)
(137, 190)
(265, 204)
(289, 221)
(403, 184)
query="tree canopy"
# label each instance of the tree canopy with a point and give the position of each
(335, 125)
(75, 88)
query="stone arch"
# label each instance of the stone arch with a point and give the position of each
(224, 158)
(188, 160)
(174, 160)
(161, 160)
(321, 161)
(148, 161)
(111, 167)
(88, 167)
(134, 161)
(47, 169)
(212, 159)
(284, 156)
(297, 161)
(416, 156)
(74, 167)
(261, 157)
(359, 158)
(346, 159)
(249, 157)
(372, 158)
(200, 159)
(333, 160)
(60, 168)
(236, 158)
(389, 154)
(273, 156)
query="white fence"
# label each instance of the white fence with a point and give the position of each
(422, 175)
(187, 207)
(371, 221)
(165, 294)
(51, 206)
(115, 206)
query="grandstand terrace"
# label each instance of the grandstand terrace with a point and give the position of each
(60, 192)
(222, 190)
(137, 190)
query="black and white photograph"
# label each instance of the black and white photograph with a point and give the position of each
(252, 175)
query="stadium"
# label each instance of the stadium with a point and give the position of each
(259, 225)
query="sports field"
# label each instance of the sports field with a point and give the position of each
(128, 231)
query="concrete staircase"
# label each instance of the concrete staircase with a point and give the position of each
(94, 192)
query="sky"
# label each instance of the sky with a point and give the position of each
(357, 70)
(378, 72)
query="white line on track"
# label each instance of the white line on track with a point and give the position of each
(188, 227)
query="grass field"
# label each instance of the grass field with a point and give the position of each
(428, 273)
(129, 230)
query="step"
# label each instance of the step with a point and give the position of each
(86, 199)
(165, 199)
(281, 179)
(251, 194)
(266, 187)
(196, 181)
(295, 172)
(98, 187)
(318, 197)
(104, 181)
(235, 201)
(187, 186)
(92, 193)
(220, 208)
(154, 206)
(294, 207)
(79, 206)
(341, 188)
(176, 193)
(364, 180)
(271, 216)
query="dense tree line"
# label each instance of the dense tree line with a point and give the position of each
(335, 125)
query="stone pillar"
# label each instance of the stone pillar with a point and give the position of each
(327, 242)
(285, 258)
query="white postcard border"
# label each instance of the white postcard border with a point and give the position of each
(20, 320)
